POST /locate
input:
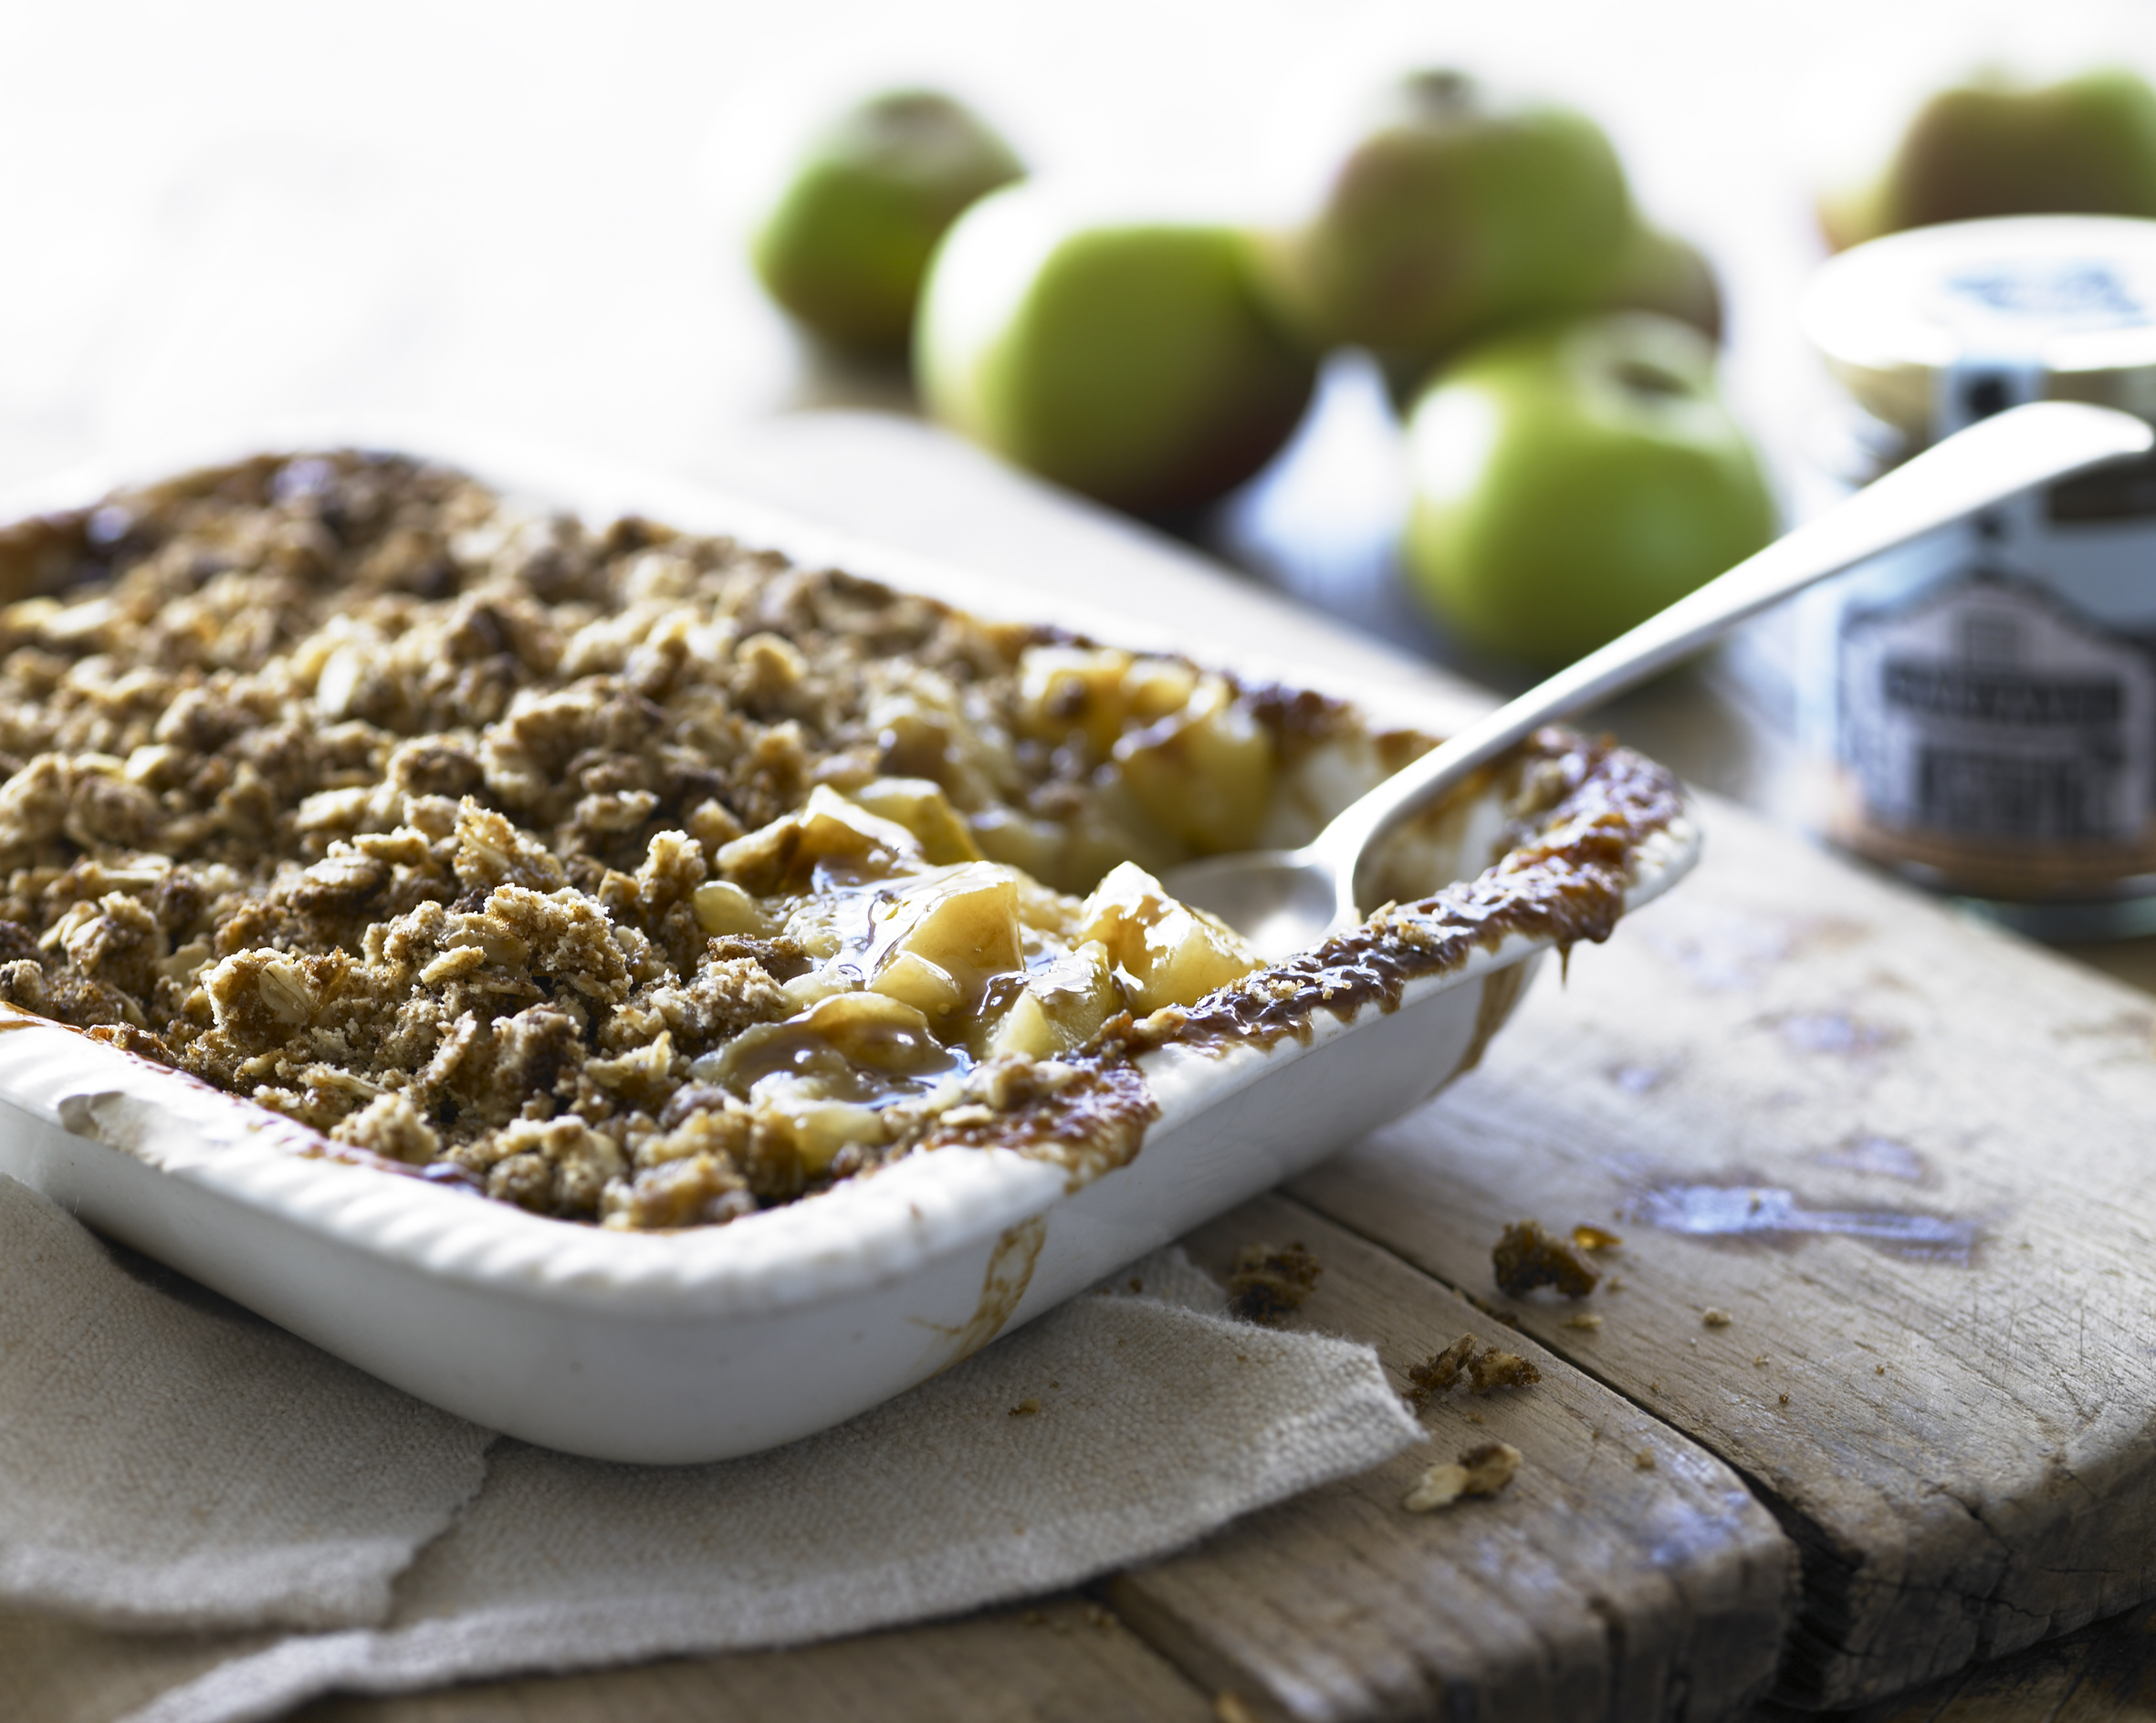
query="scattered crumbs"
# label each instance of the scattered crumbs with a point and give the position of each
(1487, 1369)
(1785, 1399)
(1493, 1369)
(1760, 1361)
(1655, 1386)
(1438, 1371)
(1525, 1257)
(1880, 1369)
(1615, 1283)
(1582, 1319)
(1270, 1281)
(1589, 1237)
(1026, 1409)
(1228, 1708)
(1098, 1617)
(1476, 1417)
(1716, 1318)
(1644, 1461)
(1481, 1471)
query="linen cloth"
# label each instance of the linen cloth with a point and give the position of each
(170, 1460)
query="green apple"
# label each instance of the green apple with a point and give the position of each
(1132, 359)
(1455, 213)
(845, 246)
(1660, 273)
(1666, 273)
(1571, 479)
(2084, 146)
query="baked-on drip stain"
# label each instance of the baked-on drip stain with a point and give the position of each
(1772, 1215)
(1590, 807)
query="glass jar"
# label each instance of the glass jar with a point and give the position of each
(1980, 707)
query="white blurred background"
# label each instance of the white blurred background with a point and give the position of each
(231, 214)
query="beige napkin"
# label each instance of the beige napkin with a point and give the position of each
(173, 1461)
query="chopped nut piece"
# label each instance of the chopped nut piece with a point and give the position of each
(1715, 1319)
(1493, 1369)
(1582, 1319)
(1270, 1281)
(1485, 1371)
(1439, 1487)
(1644, 1460)
(1026, 1408)
(1481, 1471)
(1592, 1238)
(1438, 1370)
(1526, 1257)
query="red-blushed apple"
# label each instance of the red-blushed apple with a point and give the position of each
(846, 244)
(2085, 145)
(1571, 479)
(1456, 213)
(1129, 359)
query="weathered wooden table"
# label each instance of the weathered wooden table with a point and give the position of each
(1906, 1156)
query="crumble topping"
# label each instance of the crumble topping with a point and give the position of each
(625, 874)
(648, 879)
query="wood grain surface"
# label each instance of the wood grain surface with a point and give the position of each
(1624, 1574)
(1905, 1154)
(1909, 1159)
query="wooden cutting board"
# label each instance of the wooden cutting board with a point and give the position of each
(1914, 1162)
(1913, 1159)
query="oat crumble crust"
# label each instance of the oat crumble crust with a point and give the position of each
(639, 877)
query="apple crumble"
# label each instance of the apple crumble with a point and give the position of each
(644, 878)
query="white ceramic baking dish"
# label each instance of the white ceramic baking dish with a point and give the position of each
(706, 1344)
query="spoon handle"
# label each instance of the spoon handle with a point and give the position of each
(1985, 464)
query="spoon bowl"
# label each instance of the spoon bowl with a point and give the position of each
(1285, 901)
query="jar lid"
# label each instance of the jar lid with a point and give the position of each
(2071, 296)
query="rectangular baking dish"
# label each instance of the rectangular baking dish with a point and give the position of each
(701, 1344)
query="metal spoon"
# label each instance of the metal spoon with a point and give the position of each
(1285, 901)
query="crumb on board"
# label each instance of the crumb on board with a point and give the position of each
(1880, 1369)
(1587, 1237)
(1715, 1317)
(1785, 1399)
(1485, 1370)
(1229, 1708)
(1027, 1408)
(1582, 1319)
(1760, 1363)
(1644, 1460)
(1095, 1616)
(1481, 1471)
(1438, 1371)
(1269, 1282)
(1493, 1369)
(1526, 1257)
